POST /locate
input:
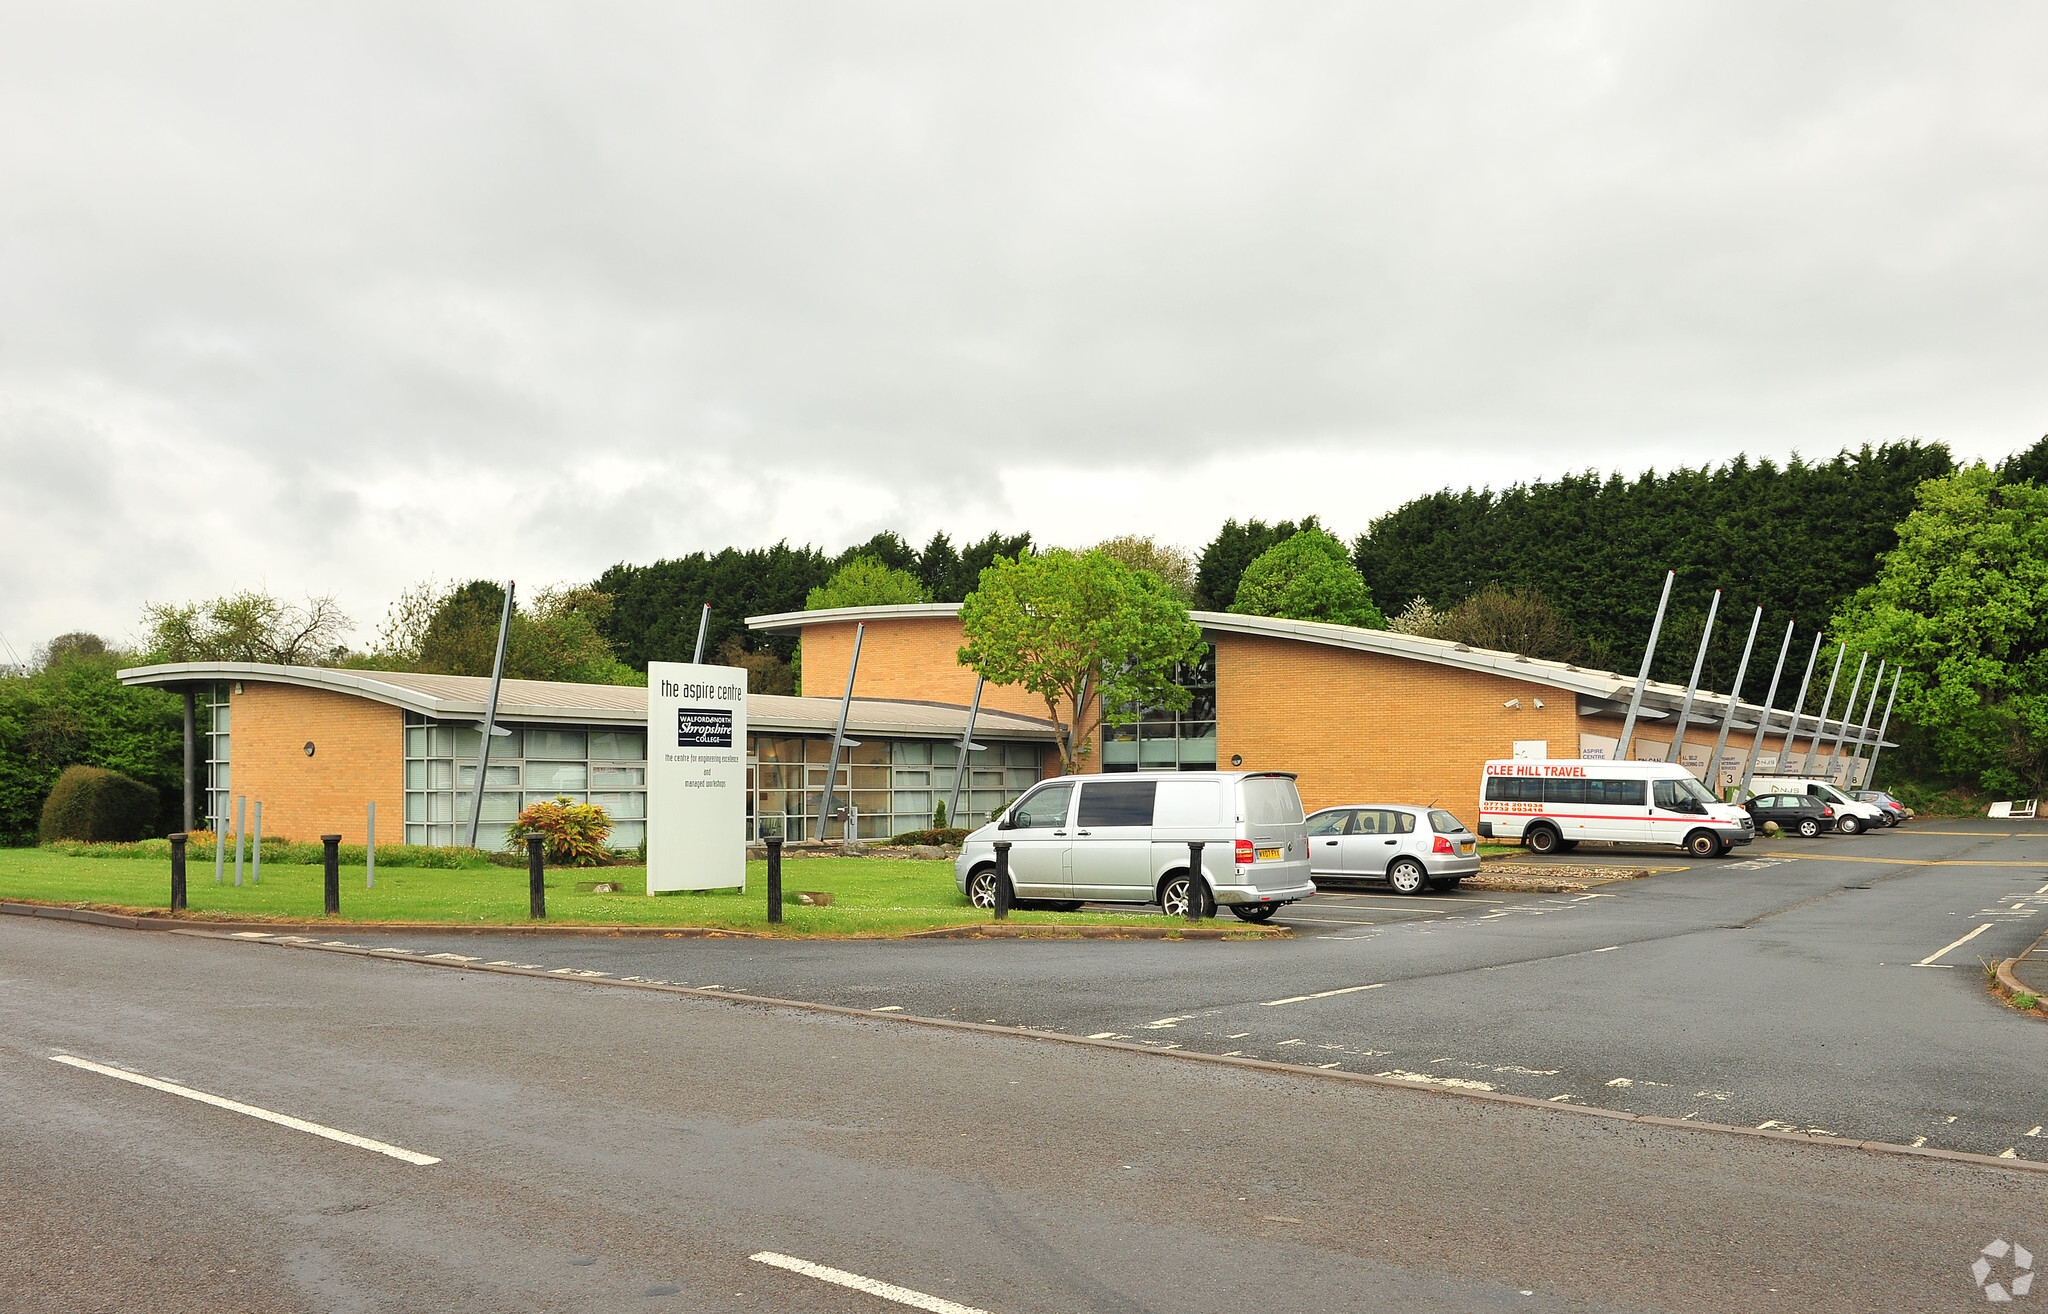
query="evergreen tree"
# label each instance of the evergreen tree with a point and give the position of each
(1234, 548)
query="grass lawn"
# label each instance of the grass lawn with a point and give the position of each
(869, 896)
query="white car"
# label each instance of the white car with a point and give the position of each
(1410, 848)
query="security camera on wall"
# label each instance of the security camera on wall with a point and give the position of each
(1512, 702)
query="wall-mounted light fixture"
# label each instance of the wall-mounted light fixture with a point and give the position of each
(309, 748)
(1236, 759)
(238, 686)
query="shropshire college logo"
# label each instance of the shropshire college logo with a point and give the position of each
(2017, 1276)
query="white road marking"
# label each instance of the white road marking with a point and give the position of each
(1103, 1035)
(2035, 1132)
(1918, 1141)
(889, 1008)
(1608, 950)
(1164, 1023)
(235, 1106)
(1929, 961)
(1322, 994)
(886, 1290)
(251, 935)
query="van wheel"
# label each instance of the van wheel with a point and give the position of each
(1850, 825)
(1543, 839)
(1809, 827)
(1254, 912)
(981, 887)
(1407, 876)
(1704, 844)
(1173, 896)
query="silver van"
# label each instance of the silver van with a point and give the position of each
(1123, 838)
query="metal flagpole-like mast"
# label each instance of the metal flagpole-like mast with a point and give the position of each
(1635, 700)
(1863, 731)
(1763, 723)
(1848, 710)
(839, 739)
(1870, 776)
(1692, 687)
(703, 625)
(967, 745)
(1799, 705)
(1821, 722)
(489, 725)
(1728, 717)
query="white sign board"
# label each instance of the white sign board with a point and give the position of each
(1532, 750)
(696, 777)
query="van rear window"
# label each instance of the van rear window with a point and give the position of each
(1271, 801)
(1117, 803)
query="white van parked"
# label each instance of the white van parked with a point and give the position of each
(1852, 816)
(1123, 838)
(1551, 805)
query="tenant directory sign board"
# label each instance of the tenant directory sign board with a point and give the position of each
(696, 777)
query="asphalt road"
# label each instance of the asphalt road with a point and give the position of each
(600, 1148)
(1780, 987)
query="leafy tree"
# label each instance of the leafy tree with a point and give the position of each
(2029, 466)
(1960, 608)
(766, 673)
(1173, 565)
(1511, 620)
(246, 627)
(865, 582)
(555, 636)
(73, 711)
(1084, 632)
(949, 576)
(886, 547)
(1308, 577)
(1234, 548)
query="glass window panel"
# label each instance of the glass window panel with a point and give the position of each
(556, 743)
(870, 777)
(415, 834)
(415, 807)
(440, 741)
(1018, 779)
(1158, 752)
(416, 741)
(466, 742)
(440, 807)
(628, 835)
(768, 748)
(440, 775)
(1019, 755)
(1116, 754)
(556, 775)
(415, 775)
(220, 776)
(1120, 733)
(868, 750)
(1198, 754)
(619, 745)
(220, 716)
(220, 748)
(985, 757)
(616, 777)
(441, 836)
(500, 805)
(622, 805)
(489, 836)
(916, 752)
(912, 779)
(778, 800)
(916, 802)
(874, 826)
(945, 754)
(505, 773)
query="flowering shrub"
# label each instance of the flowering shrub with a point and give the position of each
(575, 833)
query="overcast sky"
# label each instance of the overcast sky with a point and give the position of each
(332, 298)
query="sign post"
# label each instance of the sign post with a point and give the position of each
(696, 777)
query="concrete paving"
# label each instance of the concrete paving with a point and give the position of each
(603, 1149)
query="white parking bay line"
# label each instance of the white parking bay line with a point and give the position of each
(1932, 958)
(886, 1290)
(236, 1106)
(1322, 994)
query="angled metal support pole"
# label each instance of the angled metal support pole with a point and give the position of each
(1863, 731)
(967, 745)
(1870, 776)
(1798, 705)
(1635, 700)
(703, 628)
(1692, 686)
(1763, 723)
(839, 739)
(1821, 722)
(1734, 695)
(489, 725)
(191, 753)
(1848, 711)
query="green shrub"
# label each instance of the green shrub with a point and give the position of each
(94, 804)
(575, 833)
(936, 835)
(939, 815)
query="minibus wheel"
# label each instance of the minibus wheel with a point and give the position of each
(1542, 839)
(1254, 912)
(1704, 844)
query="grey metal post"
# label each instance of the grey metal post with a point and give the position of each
(1728, 717)
(220, 844)
(241, 815)
(1870, 776)
(1863, 731)
(1635, 700)
(1821, 722)
(490, 725)
(178, 871)
(1198, 888)
(1006, 894)
(1848, 710)
(775, 880)
(1763, 723)
(703, 627)
(536, 878)
(1792, 729)
(370, 849)
(191, 753)
(839, 735)
(330, 857)
(967, 745)
(1692, 686)
(256, 848)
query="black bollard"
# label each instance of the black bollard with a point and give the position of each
(536, 884)
(1006, 894)
(178, 872)
(775, 880)
(1198, 889)
(332, 843)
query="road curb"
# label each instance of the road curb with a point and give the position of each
(2005, 985)
(971, 931)
(271, 939)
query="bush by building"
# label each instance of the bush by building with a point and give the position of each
(98, 805)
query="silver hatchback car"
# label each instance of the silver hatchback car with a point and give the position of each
(1410, 848)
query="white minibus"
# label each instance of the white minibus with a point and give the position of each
(1551, 805)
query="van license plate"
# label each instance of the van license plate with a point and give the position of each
(1270, 855)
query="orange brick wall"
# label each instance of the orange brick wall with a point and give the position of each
(904, 659)
(358, 755)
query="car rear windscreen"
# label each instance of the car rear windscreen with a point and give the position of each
(1117, 803)
(1271, 801)
(1443, 823)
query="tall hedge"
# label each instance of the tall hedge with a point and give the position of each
(74, 712)
(98, 806)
